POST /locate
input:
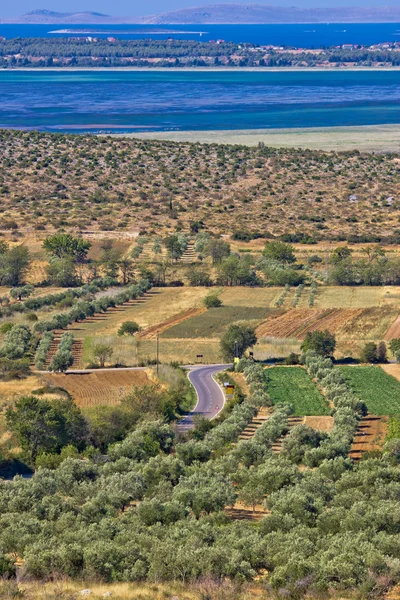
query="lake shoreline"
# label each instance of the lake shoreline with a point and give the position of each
(200, 69)
(365, 138)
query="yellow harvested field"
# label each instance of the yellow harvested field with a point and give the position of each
(159, 305)
(183, 350)
(355, 297)
(255, 297)
(96, 389)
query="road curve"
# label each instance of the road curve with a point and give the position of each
(210, 397)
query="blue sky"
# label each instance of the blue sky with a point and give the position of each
(137, 7)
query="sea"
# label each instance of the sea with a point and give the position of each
(140, 101)
(298, 35)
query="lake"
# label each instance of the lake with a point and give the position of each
(303, 36)
(129, 101)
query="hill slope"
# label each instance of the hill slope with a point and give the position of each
(224, 13)
(256, 13)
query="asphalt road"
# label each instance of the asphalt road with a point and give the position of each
(210, 397)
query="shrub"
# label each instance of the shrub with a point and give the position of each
(43, 350)
(128, 328)
(212, 301)
(63, 358)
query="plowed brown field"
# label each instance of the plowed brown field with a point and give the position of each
(150, 332)
(394, 330)
(298, 322)
(94, 389)
(370, 436)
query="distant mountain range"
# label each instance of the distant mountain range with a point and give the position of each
(257, 13)
(224, 13)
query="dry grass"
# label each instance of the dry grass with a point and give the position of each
(320, 423)
(268, 348)
(12, 390)
(71, 590)
(298, 322)
(254, 297)
(95, 389)
(369, 138)
(354, 297)
(161, 304)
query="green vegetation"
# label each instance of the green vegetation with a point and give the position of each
(102, 353)
(42, 350)
(293, 386)
(63, 358)
(128, 328)
(43, 426)
(321, 342)
(73, 52)
(374, 353)
(212, 324)
(212, 301)
(236, 340)
(393, 428)
(378, 390)
(168, 497)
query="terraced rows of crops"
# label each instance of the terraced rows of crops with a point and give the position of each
(298, 322)
(94, 389)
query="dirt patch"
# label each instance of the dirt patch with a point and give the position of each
(240, 380)
(370, 436)
(95, 389)
(320, 423)
(394, 330)
(241, 512)
(297, 323)
(393, 370)
(151, 332)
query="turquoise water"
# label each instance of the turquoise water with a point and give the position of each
(180, 100)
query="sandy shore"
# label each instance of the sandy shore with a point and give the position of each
(371, 138)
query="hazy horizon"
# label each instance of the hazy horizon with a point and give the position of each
(129, 8)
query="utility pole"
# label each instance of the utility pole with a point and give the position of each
(157, 349)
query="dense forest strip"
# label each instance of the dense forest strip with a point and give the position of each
(112, 52)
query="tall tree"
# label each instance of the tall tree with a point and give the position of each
(236, 340)
(64, 245)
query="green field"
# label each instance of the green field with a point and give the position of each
(379, 391)
(293, 385)
(213, 322)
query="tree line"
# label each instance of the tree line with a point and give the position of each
(151, 506)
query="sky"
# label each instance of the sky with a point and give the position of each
(139, 8)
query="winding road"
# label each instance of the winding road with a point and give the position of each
(210, 397)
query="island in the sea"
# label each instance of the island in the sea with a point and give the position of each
(83, 49)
